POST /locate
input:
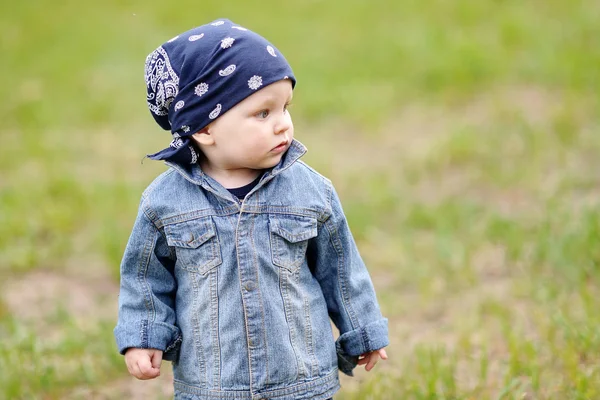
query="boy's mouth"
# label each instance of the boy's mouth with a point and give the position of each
(280, 147)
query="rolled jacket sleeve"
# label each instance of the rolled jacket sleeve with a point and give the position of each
(147, 317)
(348, 289)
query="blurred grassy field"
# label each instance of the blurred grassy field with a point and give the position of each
(463, 138)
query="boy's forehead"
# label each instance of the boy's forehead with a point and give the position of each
(278, 91)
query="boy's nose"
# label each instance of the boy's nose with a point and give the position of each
(284, 124)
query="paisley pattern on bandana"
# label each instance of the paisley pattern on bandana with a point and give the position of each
(176, 143)
(227, 71)
(215, 113)
(193, 38)
(198, 75)
(161, 81)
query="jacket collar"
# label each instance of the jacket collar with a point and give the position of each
(194, 174)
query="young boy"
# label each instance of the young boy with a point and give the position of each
(240, 252)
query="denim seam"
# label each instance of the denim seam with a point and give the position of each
(237, 241)
(217, 258)
(283, 279)
(329, 211)
(285, 210)
(341, 272)
(182, 173)
(144, 334)
(295, 276)
(308, 336)
(198, 334)
(330, 378)
(279, 242)
(215, 327)
(326, 181)
(260, 300)
(174, 343)
(142, 276)
(341, 263)
(274, 247)
(198, 262)
(365, 339)
(319, 215)
(198, 214)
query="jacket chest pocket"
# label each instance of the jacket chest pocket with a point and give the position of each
(196, 244)
(289, 237)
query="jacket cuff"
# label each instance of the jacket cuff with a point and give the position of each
(352, 344)
(146, 335)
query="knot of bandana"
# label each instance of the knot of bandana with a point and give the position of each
(198, 75)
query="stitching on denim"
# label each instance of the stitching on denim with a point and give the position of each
(142, 271)
(144, 334)
(285, 210)
(341, 272)
(366, 342)
(295, 237)
(283, 285)
(252, 220)
(215, 327)
(286, 254)
(319, 214)
(330, 379)
(308, 337)
(205, 228)
(174, 343)
(216, 247)
(329, 210)
(197, 214)
(175, 167)
(236, 230)
(203, 258)
(199, 349)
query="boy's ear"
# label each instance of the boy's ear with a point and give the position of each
(203, 137)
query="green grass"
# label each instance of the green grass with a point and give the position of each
(462, 137)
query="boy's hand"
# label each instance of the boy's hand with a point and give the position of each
(371, 358)
(143, 363)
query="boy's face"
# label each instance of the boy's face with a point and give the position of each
(254, 134)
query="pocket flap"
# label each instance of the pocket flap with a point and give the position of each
(190, 234)
(294, 229)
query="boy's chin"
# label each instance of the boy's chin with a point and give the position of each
(270, 163)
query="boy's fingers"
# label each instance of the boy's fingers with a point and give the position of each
(147, 370)
(156, 359)
(364, 360)
(383, 354)
(135, 371)
(373, 360)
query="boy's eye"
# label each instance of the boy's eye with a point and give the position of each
(263, 114)
(285, 108)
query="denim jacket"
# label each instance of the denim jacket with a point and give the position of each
(239, 295)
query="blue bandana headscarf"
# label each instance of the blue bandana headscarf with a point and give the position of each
(198, 75)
